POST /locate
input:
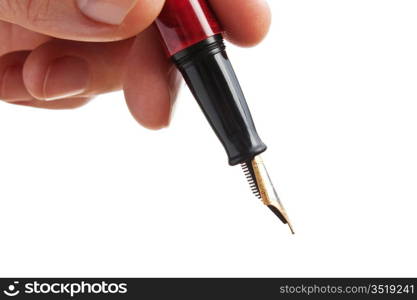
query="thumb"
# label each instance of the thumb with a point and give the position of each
(82, 20)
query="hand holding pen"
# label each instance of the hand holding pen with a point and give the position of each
(53, 70)
(61, 53)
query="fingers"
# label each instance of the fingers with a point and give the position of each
(61, 69)
(13, 90)
(82, 20)
(246, 21)
(151, 82)
(64, 69)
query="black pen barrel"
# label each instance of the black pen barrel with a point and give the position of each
(209, 74)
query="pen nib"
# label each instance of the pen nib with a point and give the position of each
(262, 187)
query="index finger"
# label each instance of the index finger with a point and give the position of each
(246, 22)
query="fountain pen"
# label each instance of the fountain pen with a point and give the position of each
(193, 39)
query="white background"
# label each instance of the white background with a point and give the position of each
(333, 91)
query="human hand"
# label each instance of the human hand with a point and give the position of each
(61, 53)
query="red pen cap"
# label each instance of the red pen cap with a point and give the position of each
(183, 23)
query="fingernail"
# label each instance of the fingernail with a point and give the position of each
(111, 12)
(66, 77)
(12, 86)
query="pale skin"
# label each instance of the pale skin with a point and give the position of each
(58, 54)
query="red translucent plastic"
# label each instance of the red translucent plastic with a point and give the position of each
(183, 23)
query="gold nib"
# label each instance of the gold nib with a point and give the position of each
(263, 188)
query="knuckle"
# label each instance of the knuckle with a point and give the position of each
(30, 11)
(7, 9)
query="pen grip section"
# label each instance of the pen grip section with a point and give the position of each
(213, 82)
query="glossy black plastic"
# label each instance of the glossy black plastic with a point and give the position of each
(213, 82)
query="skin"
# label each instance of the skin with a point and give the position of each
(128, 56)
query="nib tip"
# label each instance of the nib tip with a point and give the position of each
(291, 228)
